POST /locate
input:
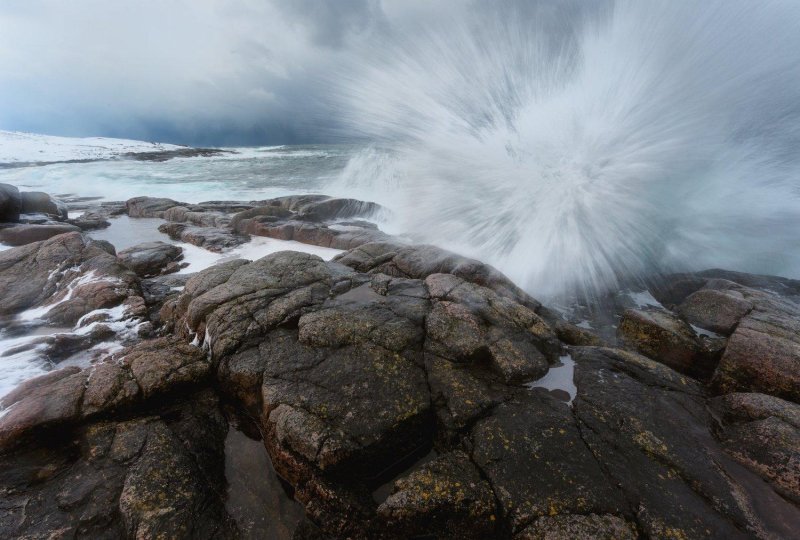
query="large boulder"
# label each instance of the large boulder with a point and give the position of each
(763, 433)
(10, 203)
(763, 353)
(38, 202)
(210, 238)
(662, 336)
(349, 372)
(151, 258)
(149, 206)
(714, 309)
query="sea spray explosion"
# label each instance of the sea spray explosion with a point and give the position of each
(574, 147)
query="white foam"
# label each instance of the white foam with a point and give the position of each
(258, 247)
(644, 299)
(703, 332)
(29, 362)
(22, 365)
(559, 378)
(89, 277)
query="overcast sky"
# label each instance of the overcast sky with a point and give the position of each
(188, 71)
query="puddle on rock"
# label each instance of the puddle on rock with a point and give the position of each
(256, 498)
(559, 380)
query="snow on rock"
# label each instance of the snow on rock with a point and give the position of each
(19, 147)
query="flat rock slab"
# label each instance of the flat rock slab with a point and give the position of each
(19, 235)
(651, 431)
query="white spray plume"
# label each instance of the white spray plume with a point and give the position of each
(573, 147)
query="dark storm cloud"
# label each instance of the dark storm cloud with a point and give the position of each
(194, 71)
(331, 23)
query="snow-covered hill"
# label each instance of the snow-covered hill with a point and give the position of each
(18, 147)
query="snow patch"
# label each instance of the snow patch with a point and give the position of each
(19, 147)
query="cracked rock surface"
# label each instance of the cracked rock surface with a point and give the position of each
(395, 391)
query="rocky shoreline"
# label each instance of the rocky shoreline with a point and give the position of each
(397, 389)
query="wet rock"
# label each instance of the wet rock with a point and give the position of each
(568, 527)
(166, 364)
(310, 232)
(471, 323)
(763, 433)
(241, 220)
(780, 286)
(419, 262)
(59, 399)
(760, 313)
(763, 353)
(109, 387)
(150, 258)
(662, 336)
(22, 234)
(43, 405)
(10, 203)
(149, 206)
(716, 310)
(674, 288)
(533, 454)
(105, 245)
(89, 221)
(66, 276)
(445, 498)
(354, 413)
(32, 385)
(37, 202)
(649, 428)
(197, 217)
(210, 238)
(164, 496)
(575, 335)
(226, 310)
(337, 209)
(459, 395)
(150, 477)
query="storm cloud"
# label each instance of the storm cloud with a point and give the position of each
(188, 71)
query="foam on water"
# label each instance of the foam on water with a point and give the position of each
(22, 357)
(248, 174)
